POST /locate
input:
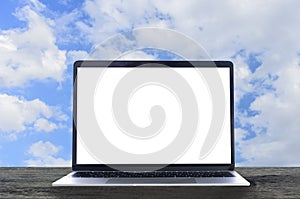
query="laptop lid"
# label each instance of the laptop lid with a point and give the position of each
(149, 115)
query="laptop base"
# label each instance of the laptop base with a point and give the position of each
(69, 180)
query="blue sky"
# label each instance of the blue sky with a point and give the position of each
(39, 40)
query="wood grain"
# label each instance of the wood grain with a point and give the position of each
(36, 183)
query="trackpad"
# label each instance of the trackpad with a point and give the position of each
(151, 181)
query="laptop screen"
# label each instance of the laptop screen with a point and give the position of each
(152, 114)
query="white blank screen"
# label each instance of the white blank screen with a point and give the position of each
(95, 87)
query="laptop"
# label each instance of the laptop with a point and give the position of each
(153, 123)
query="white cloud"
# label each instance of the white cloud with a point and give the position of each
(18, 114)
(30, 53)
(74, 55)
(224, 28)
(42, 124)
(36, 5)
(280, 115)
(44, 155)
(67, 31)
(119, 16)
(137, 55)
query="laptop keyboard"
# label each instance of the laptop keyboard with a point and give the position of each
(153, 174)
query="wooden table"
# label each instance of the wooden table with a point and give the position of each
(36, 183)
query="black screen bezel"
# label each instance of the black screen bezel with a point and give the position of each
(98, 167)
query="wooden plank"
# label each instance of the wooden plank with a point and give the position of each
(36, 183)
